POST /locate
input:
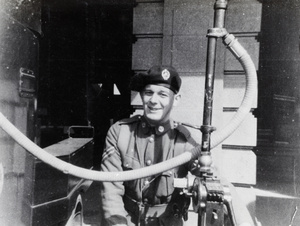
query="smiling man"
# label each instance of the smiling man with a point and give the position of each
(147, 139)
(141, 141)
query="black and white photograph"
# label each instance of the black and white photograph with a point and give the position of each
(149, 112)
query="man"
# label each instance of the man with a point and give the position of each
(141, 141)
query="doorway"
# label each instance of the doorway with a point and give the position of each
(85, 67)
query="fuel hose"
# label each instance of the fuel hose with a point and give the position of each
(250, 93)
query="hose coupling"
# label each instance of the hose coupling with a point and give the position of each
(234, 46)
(229, 39)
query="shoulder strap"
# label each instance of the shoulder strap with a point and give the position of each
(125, 131)
(130, 120)
(184, 140)
(187, 134)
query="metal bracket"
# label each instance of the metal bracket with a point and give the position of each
(217, 32)
(27, 83)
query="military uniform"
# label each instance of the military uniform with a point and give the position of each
(133, 144)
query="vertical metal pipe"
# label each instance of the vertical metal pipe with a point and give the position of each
(219, 21)
(205, 160)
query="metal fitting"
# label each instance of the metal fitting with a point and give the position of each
(216, 32)
(207, 129)
(220, 4)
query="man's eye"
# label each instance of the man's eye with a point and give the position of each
(148, 93)
(163, 94)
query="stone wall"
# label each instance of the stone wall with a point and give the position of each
(174, 33)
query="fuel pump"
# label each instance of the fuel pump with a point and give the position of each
(210, 197)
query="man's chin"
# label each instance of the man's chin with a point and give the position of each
(153, 119)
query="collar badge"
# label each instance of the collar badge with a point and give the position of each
(161, 129)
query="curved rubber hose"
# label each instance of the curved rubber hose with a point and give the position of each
(68, 168)
(218, 137)
(251, 89)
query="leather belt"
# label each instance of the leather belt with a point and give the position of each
(144, 211)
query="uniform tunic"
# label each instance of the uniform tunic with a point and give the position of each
(133, 144)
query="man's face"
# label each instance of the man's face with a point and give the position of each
(158, 102)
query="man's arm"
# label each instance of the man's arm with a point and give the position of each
(112, 192)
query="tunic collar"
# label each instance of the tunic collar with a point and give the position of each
(158, 129)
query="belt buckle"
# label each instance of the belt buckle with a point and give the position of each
(142, 213)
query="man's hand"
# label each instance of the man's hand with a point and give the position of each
(195, 167)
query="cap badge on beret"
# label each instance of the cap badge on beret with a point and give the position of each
(165, 74)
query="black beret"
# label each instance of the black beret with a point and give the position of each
(162, 75)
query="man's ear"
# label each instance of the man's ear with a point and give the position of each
(177, 99)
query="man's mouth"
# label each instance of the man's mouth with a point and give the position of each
(153, 108)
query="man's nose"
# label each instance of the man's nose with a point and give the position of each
(154, 98)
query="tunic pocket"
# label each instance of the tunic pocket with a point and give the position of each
(132, 187)
(165, 186)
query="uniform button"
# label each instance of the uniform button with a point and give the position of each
(161, 129)
(146, 182)
(151, 139)
(148, 162)
(145, 201)
(170, 172)
(126, 164)
(143, 125)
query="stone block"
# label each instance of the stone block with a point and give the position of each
(189, 53)
(245, 135)
(237, 166)
(146, 52)
(148, 18)
(234, 91)
(188, 17)
(241, 12)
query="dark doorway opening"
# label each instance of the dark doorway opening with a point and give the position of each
(85, 69)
